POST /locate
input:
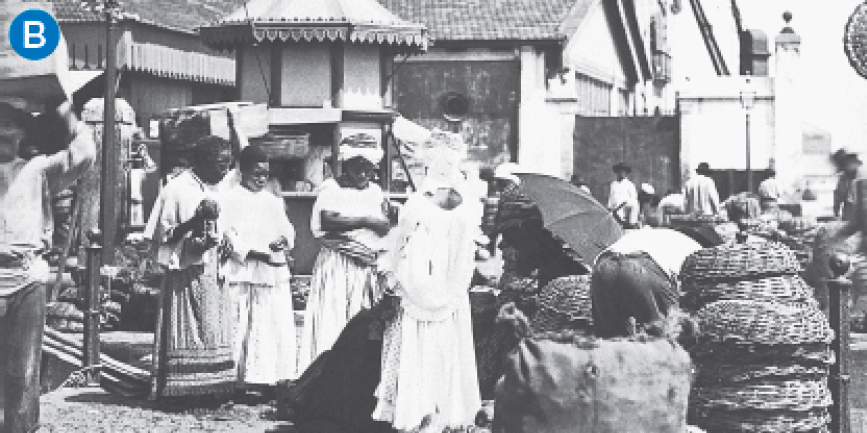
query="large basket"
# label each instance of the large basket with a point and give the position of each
(695, 220)
(750, 322)
(564, 303)
(815, 420)
(731, 262)
(788, 395)
(713, 373)
(708, 352)
(785, 289)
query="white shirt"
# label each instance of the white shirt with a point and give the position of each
(701, 196)
(252, 220)
(350, 202)
(668, 248)
(178, 203)
(25, 199)
(624, 192)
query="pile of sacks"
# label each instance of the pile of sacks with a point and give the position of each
(763, 356)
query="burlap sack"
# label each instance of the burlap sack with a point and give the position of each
(614, 387)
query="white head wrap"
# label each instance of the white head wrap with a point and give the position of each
(443, 154)
(361, 145)
(647, 189)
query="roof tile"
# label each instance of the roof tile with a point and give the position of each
(460, 20)
(457, 20)
(185, 15)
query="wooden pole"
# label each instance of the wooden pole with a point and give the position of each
(110, 149)
(838, 293)
(749, 169)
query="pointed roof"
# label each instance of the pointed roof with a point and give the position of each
(364, 21)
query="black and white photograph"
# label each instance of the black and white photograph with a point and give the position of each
(433, 216)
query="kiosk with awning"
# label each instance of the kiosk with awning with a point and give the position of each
(324, 70)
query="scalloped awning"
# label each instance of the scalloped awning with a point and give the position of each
(359, 21)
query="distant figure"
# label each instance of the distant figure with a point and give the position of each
(143, 165)
(844, 195)
(700, 194)
(648, 201)
(770, 191)
(623, 197)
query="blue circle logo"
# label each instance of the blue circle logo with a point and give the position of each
(34, 34)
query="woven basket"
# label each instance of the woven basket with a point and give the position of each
(713, 374)
(785, 289)
(732, 262)
(564, 303)
(694, 220)
(762, 421)
(750, 322)
(789, 395)
(761, 354)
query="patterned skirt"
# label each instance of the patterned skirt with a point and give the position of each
(194, 348)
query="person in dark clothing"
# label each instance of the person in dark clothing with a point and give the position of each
(336, 393)
(636, 278)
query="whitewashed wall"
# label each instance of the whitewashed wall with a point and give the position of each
(713, 124)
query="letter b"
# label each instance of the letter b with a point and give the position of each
(29, 35)
(34, 34)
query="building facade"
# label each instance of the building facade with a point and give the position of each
(511, 77)
(162, 62)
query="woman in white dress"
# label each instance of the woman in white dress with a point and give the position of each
(258, 237)
(350, 219)
(429, 381)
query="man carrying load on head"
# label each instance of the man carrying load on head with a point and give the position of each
(25, 188)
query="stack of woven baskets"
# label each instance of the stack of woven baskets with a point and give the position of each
(564, 304)
(764, 353)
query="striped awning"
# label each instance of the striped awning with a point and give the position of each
(358, 21)
(174, 63)
(158, 60)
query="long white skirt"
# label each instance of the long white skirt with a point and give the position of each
(339, 289)
(265, 336)
(429, 381)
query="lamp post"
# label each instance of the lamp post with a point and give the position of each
(748, 101)
(108, 212)
(102, 241)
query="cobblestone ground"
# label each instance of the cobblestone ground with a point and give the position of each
(93, 410)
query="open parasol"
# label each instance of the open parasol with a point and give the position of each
(572, 214)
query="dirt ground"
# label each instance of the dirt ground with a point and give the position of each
(93, 410)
